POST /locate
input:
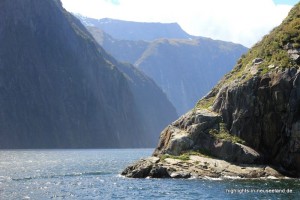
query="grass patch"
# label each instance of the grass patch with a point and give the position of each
(186, 155)
(183, 157)
(272, 49)
(223, 134)
(205, 103)
(203, 153)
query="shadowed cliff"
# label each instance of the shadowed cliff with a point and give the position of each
(58, 87)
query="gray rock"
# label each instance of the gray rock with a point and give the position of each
(257, 61)
(140, 169)
(180, 175)
(235, 152)
(198, 167)
(159, 172)
(263, 112)
(295, 57)
(294, 54)
(288, 46)
(191, 133)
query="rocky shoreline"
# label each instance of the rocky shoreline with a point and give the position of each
(189, 149)
(198, 167)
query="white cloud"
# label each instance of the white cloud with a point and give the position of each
(240, 21)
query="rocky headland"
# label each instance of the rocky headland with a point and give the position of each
(197, 146)
(248, 126)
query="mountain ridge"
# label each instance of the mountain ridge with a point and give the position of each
(146, 31)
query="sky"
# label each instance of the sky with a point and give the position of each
(239, 21)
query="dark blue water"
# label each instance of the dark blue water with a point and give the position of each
(94, 174)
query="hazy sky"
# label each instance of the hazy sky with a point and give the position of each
(240, 21)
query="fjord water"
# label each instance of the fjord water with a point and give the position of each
(94, 174)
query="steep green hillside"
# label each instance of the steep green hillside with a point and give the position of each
(276, 51)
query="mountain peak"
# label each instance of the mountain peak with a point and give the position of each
(111, 20)
(128, 30)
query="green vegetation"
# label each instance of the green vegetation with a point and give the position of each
(183, 157)
(203, 153)
(224, 134)
(186, 155)
(205, 103)
(272, 49)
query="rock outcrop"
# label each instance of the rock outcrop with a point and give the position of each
(193, 132)
(197, 167)
(250, 117)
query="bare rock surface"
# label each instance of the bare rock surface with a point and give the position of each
(197, 167)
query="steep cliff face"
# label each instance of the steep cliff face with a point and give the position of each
(264, 112)
(154, 109)
(256, 104)
(58, 87)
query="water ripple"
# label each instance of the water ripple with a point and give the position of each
(95, 174)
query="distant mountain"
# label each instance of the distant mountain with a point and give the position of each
(188, 69)
(185, 69)
(124, 50)
(127, 30)
(60, 89)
